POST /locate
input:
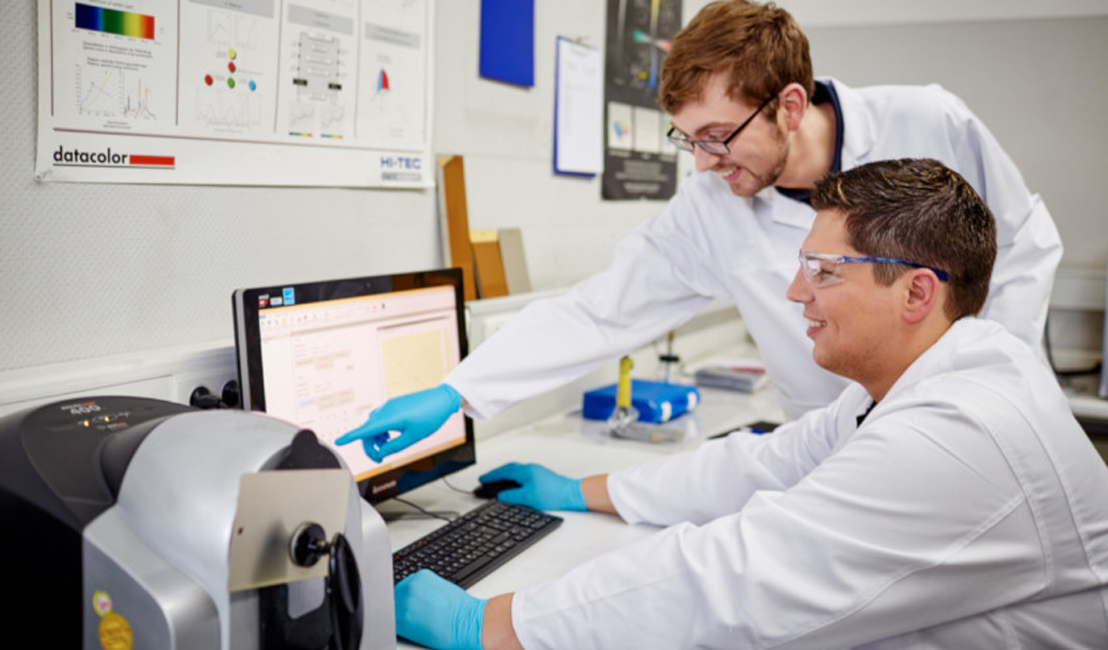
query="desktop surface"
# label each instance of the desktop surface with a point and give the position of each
(581, 536)
(570, 445)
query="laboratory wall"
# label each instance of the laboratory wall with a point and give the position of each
(94, 271)
(1040, 85)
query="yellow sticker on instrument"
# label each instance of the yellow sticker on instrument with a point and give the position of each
(115, 632)
(102, 603)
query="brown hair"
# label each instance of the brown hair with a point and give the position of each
(759, 47)
(917, 210)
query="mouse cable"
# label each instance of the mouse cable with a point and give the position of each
(455, 488)
(425, 511)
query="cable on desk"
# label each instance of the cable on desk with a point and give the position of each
(453, 487)
(425, 511)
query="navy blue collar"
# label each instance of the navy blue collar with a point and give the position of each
(862, 418)
(825, 92)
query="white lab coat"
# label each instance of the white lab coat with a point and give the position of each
(708, 243)
(967, 511)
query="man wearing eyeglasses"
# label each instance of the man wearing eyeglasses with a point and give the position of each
(738, 86)
(947, 499)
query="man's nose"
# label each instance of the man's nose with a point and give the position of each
(800, 290)
(704, 160)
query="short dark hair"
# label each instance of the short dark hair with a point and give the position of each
(760, 47)
(922, 211)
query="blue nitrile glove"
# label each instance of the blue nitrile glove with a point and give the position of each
(539, 488)
(438, 614)
(415, 416)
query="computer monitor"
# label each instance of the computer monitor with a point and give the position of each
(323, 355)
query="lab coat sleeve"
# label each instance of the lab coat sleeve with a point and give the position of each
(720, 476)
(649, 288)
(896, 532)
(1029, 247)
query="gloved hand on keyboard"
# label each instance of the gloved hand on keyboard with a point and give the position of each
(438, 614)
(415, 416)
(540, 488)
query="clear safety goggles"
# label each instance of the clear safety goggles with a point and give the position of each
(823, 269)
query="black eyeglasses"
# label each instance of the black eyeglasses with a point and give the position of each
(713, 147)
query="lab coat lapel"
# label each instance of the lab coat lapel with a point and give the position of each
(859, 134)
(785, 211)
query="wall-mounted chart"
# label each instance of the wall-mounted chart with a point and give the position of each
(639, 163)
(228, 81)
(389, 87)
(271, 92)
(116, 75)
(316, 80)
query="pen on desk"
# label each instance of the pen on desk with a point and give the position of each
(742, 429)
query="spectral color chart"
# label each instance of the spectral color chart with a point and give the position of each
(112, 21)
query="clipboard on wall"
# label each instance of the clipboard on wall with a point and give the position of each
(578, 109)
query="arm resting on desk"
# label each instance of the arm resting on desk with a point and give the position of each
(595, 490)
(498, 632)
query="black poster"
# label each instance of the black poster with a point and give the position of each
(639, 163)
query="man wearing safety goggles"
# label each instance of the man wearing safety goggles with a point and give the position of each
(947, 499)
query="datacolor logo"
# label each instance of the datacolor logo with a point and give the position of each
(107, 158)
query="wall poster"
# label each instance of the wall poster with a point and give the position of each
(236, 92)
(639, 162)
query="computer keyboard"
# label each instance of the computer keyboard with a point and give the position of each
(473, 545)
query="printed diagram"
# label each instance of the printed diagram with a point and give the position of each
(108, 92)
(383, 113)
(100, 95)
(229, 98)
(319, 101)
(315, 98)
(392, 96)
(227, 82)
(105, 84)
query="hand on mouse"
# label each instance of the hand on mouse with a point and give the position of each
(540, 488)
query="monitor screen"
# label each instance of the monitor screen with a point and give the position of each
(323, 355)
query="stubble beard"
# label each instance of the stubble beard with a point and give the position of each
(753, 182)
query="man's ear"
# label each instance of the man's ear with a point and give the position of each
(922, 295)
(793, 101)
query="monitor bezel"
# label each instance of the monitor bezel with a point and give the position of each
(248, 361)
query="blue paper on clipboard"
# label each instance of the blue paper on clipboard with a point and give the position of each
(655, 401)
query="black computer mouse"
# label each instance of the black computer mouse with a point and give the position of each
(493, 488)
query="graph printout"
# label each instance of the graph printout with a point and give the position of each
(236, 92)
(639, 162)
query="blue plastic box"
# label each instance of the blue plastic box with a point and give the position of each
(655, 401)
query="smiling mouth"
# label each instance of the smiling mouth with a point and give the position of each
(730, 174)
(816, 324)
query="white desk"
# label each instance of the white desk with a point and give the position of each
(578, 448)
